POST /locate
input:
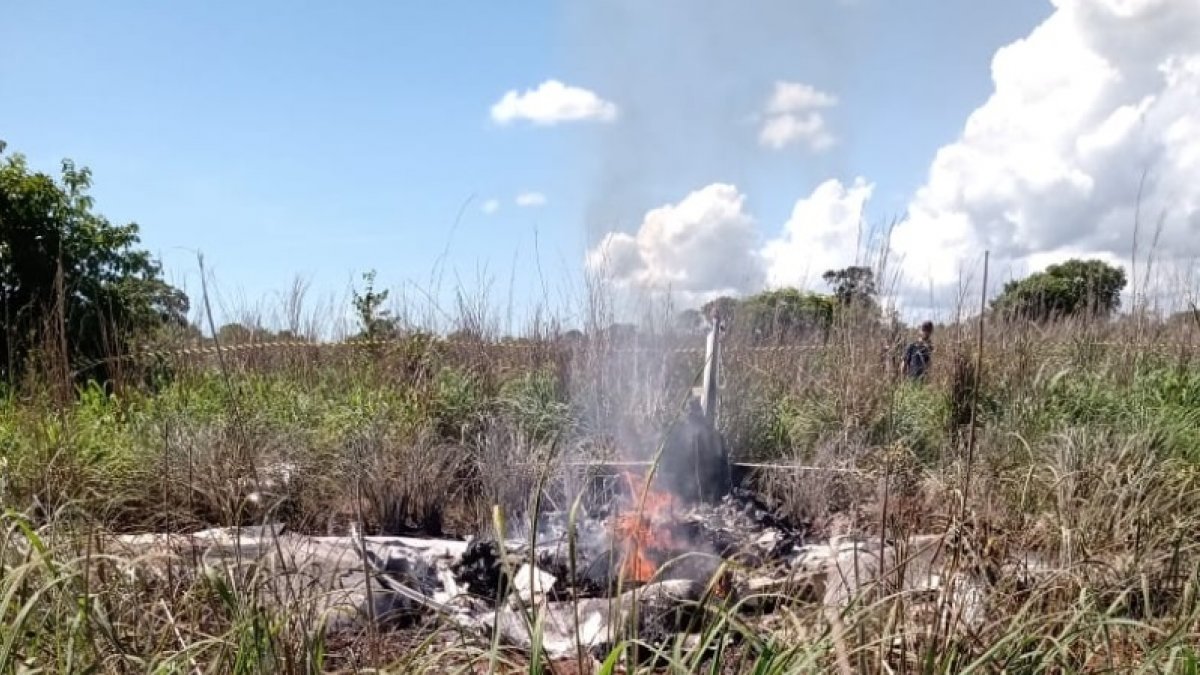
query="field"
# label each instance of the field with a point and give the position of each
(1073, 443)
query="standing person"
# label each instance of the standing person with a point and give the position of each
(918, 354)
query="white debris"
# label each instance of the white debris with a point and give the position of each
(428, 549)
(451, 590)
(844, 568)
(228, 536)
(769, 539)
(530, 586)
(566, 627)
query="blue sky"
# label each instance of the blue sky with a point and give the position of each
(326, 139)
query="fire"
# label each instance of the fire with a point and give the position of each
(648, 535)
(646, 530)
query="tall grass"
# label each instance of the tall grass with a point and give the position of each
(1084, 495)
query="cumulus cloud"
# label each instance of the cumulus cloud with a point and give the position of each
(825, 231)
(1094, 116)
(792, 96)
(704, 246)
(1093, 124)
(530, 199)
(490, 206)
(708, 245)
(793, 115)
(552, 102)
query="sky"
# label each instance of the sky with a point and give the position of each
(510, 150)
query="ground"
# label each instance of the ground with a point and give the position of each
(1084, 458)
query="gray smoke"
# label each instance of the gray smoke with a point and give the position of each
(690, 78)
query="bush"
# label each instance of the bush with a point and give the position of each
(457, 404)
(534, 404)
(919, 420)
(56, 254)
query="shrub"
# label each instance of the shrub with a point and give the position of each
(533, 403)
(70, 278)
(457, 403)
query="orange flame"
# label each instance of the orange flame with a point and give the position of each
(648, 536)
(645, 530)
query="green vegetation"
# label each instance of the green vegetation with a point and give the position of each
(1071, 288)
(377, 322)
(69, 279)
(1082, 446)
(853, 286)
(1086, 455)
(781, 315)
(786, 315)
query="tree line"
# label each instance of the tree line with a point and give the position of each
(1072, 289)
(77, 287)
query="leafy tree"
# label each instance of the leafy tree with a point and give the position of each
(726, 306)
(70, 276)
(237, 333)
(852, 286)
(690, 322)
(376, 322)
(1076, 287)
(785, 313)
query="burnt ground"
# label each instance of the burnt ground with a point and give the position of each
(740, 528)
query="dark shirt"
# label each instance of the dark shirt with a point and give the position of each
(917, 356)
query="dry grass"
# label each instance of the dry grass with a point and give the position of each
(1085, 459)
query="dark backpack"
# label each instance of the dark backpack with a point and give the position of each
(917, 357)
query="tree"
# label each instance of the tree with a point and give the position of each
(725, 306)
(238, 334)
(852, 286)
(377, 323)
(785, 313)
(690, 322)
(1090, 288)
(68, 275)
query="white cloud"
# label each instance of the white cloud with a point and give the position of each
(782, 130)
(1050, 165)
(491, 206)
(793, 115)
(530, 199)
(552, 102)
(700, 248)
(708, 245)
(825, 231)
(796, 96)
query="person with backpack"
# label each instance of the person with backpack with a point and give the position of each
(918, 354)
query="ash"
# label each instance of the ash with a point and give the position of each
(739, 527)
(742, 526)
